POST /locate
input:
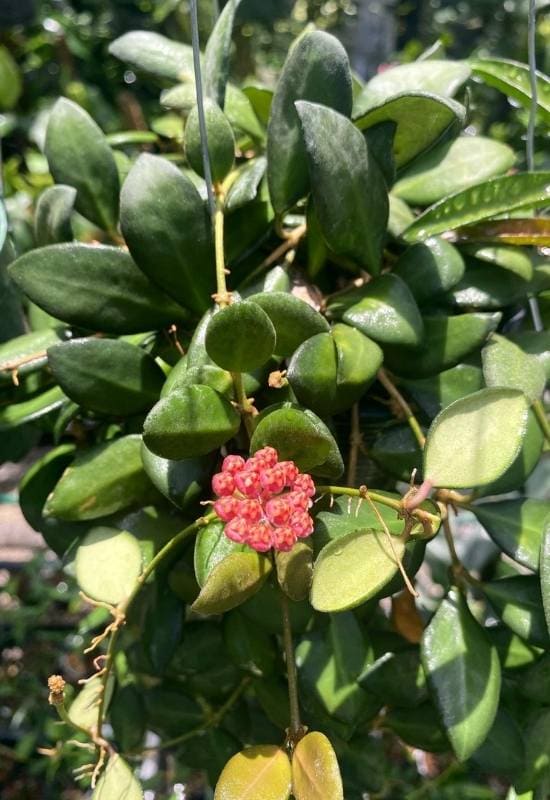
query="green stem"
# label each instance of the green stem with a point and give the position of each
(394, 392)
(64, 717)
(243, 402)
(542, 419)
(221, 290)
(418, 513)
(292, 675)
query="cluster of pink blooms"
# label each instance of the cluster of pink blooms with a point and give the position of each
(263, 501)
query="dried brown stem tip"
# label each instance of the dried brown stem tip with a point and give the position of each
(56, 685)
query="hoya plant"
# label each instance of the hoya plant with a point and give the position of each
(272, 354)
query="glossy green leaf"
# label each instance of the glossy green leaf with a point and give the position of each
(386, 310)
(503, 751)
(93, 287)
(451, 167)
(102, 480)
(217, 52)
(505, 364)
(516, 526)
(261, 772)
(29, 410)
(397, 678)
(517, 601)
(190, 422)
(398, 452)
(400, 216)
(421, 120)
(79, 156)
(221, 142)
(315, 771)
(418, 727)
(463, 670)
(294, 320)
(510, 258)
(524, 463)
(341, 165)
(21, 348)
(437, 392)
(150, 52)
(329, 372)
(485, 431)
(436, 76)
(83, 710)
(52, 220)
(232, 581)
(211, 547)
(545, 573)
(178, 257)
(430, 268)
(537, 754)
(240, 337)
(317, 70)
(447, 340)
(11, 83)
(295, 570)
(483, 201)
(117, 782)
(486, 287)
(537, 343)
(108, 564)
(512, 79)
(299, 436)
(366, 559)
(182, 482)
(245, 187)
(109, 376)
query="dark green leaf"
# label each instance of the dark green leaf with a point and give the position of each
(513, 79)
(127, 716)
(250, 647)
(79, 156)
(178, 257)
(245, 187)
(211, 547)
(418, 727)
(503, 750)
(487, 287)
(217, 52)
(516, 526)
(240, 337)
(221, 142)
(28, 410)
(109, 376)
(397, 679)
(150, 52)
(517, 601)
(52, 220)
(182, 481)
(430, 268)
(435, 393)
(463, 670)
(342, 166)
(162, 626)
(537, 752)
(293, 319)
(94, 287)
(232, 581)
(317, 70)
(398, 452)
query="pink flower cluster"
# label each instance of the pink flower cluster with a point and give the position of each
(263, 501)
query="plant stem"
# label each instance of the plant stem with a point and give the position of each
(418, 513)
(354, 444)
(542, 419)
(221, 285)
(243, 402)
(292, 675)
(393, 391)
(457, 563)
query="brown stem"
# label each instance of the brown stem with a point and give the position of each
(355, 441)
(292, 675)
(393, 391)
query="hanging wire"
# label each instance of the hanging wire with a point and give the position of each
(530, 139)
(200, 107)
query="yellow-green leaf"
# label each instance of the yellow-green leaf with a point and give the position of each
(84, 708)
(256, 773)
(117, 782)
(232, 582)
(315, 771)
(108, 564)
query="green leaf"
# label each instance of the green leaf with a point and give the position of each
(108, 376)
(155, 198)
(293, 319)
(18, 414)
(537, 754)
(341, 165)
(330, 371)
(512, 78)
(505, 364)
(463, 670)
(79, 156)
(430, 268)
(217, 52)
(94, 287)
(182, 482)
(397, 679)
(232, 581)
(127, 716)
(150, 52)
(545, 574)
(400, 216)
(299, 436)
(483, 201)
(384, 309)
(102, 480)
(484, 431)
(421, 120)
(486, 287)
(524, 463)
(264, 610)
(240, 337)
(83, 710)
(108, 564)
(516, 526)
(503, 751)
(517, 601)
(437, 392)
(246, 185)
(536, 685)
(317, 70)
(451, 167)
(537, 343)
(397, 451)
(117, 782)
(211, 547)
(52, 219)
(295, 570)
(434, 76)
(250, 648)
(221, 142)
(11, 84)
(366, 559)
(418, 727)
(23, 347)
(447, 340)
(510, 258)
(315, 771)
(261, 772)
